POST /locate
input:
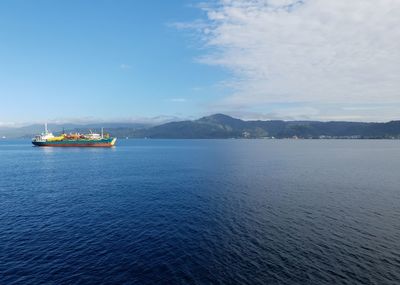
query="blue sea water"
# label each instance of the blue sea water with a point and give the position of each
(201, 212)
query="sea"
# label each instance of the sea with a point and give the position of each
(201, 212)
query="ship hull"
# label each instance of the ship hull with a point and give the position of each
(77, 143)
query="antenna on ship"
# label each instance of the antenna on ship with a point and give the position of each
(102, 133)
(45, 128)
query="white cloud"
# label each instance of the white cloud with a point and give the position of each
(150, 120)
(178, 100)
(125, 66)
(198, 25)
(319, 51)
(8, 124)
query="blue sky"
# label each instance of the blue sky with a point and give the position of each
(263, 59)
(101, 59)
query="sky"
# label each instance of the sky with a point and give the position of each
(80, 61)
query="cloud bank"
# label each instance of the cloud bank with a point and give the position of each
(314, 52)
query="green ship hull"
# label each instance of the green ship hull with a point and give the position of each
(108, 142)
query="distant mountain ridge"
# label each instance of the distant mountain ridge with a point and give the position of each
(223, 126)
(31, 130)
(220, 126)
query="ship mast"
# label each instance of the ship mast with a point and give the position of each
(45, 128)
(102, 133)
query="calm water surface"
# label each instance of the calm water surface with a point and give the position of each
(201, 212)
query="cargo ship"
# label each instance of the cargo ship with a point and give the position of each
(74, 140)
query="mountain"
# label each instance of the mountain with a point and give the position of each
(31, 130)
(223, 126)
(220, 126)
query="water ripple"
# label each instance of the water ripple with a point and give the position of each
(201, 212)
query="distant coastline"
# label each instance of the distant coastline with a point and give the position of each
(220, 126)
